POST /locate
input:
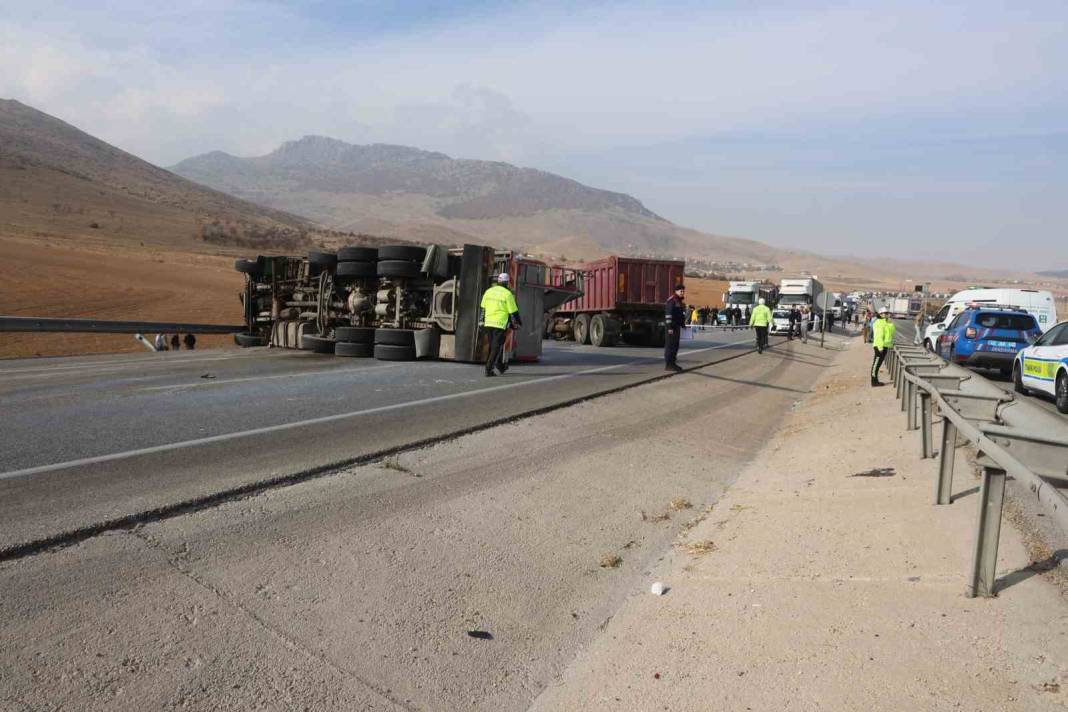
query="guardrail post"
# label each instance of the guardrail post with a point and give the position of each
(925, 424)
(891, 360)
(910, 405)
(984, 563)
(946, 459)
(901, 384)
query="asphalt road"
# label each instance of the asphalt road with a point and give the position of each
(361, 590)
(907, 330)
(87, 441)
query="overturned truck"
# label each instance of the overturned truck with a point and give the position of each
(396, 303)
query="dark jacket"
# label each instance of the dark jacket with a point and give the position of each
(674, 313)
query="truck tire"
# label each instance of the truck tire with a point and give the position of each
(395, 337)
(581, 328)
(248, 340)
(354, 335)
(251, 267)
(604, 330)
(357, 254)
(386, 352)
(403, 253)
(356, 269)
(398, 268)
(322, 259)
(318, 344)
(358, 350)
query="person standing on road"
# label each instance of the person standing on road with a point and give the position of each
(760, 319)
(161, 342)
(499, 313)
(190, 342)
(674, 321)
(176, 343)
(795, 323)
(883, 331)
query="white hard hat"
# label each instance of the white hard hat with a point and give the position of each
(760, 301)
(884, 309)
(502, 278)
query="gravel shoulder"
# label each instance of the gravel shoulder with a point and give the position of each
(825, 579)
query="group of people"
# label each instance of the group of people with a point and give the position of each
(174, 343)
(709, 316)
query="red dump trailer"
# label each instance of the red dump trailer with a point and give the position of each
(623, 299)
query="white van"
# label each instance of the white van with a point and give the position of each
(1037, 303)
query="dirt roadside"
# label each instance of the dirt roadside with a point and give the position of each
(825, 579)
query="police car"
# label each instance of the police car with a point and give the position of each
(780, 321)
(988, 337)
(1043, 366)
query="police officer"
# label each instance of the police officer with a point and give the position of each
(499, 313)
(882, 339)
(760, 319)
(674, 320)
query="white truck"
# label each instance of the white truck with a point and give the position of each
(801, 291)
(746, 294)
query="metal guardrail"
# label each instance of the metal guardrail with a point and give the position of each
(97, 326)
(1012, 438)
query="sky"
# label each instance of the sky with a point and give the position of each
(908, 129)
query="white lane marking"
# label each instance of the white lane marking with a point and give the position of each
(293, 374)
(211, 439)
(106, 366)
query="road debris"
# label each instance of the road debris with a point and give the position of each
(699, 548)
(658, 589)
(480, 634)
(680, 503)
(876, 472)
(610, 561)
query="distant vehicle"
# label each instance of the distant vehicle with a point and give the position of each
(837, 304)
(801, 291)
(1043, 366)
(988, 338)
(1039, 304)
(746, 294)
(780, 321)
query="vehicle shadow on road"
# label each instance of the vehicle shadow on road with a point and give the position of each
(1035, 568)
(744, 382)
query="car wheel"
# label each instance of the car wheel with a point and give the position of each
(357, 254)
(1062, 392)
(406, 253)
(1017, 380)
(927, 345)
(356, 269)
(318, 344)
(248, 340)
(354, 334)
(395, 337)
(359, 350)
(581, 328)
(398, 268)
(322, 259)
(385, 352)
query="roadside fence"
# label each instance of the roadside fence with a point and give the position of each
(1011, 436)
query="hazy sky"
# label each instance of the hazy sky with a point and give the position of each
(928, 130)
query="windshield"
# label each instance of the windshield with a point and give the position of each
(780, 314)
(740, 298)
(791, 299)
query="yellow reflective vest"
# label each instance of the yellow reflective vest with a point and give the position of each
(883, 331)
(498, 303)
(761, 316)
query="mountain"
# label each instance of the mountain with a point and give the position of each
(58, 181)
(1058, 273)
(425, 195)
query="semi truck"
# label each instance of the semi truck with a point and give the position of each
(801, 291)
(746, 294)
(622, 300)
(396, 302)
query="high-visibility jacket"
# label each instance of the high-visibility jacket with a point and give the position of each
(761, 316)
(883, 331)
(498, 303)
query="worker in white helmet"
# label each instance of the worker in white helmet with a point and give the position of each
(499, 312)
